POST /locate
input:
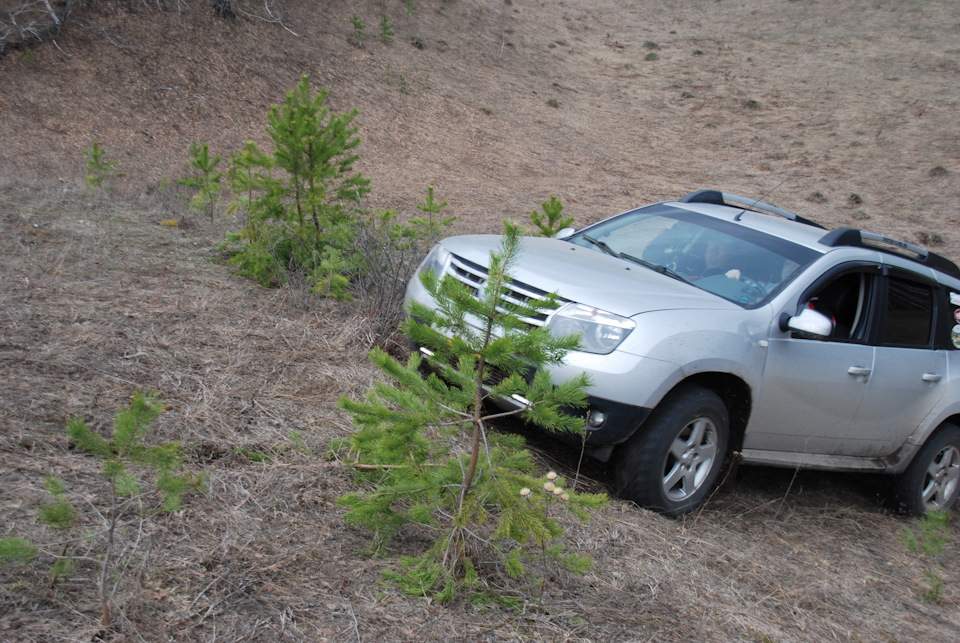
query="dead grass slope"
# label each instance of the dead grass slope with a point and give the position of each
(506, 104)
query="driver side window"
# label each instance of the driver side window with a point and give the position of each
(845, 300)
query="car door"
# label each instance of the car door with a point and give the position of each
(812, 389)
(909, 374)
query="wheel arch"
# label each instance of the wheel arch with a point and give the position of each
(916, 442)
(736, 395)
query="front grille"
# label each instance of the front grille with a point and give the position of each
(474, 276)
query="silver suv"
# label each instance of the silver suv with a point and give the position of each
(716, 325)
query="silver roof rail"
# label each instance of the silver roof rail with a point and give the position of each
(722, 198)
(863, 239)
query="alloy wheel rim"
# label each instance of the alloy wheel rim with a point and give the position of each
(941, 479)
(690, 459)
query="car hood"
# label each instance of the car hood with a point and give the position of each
(590, 277)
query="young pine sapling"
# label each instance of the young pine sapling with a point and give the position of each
(427, 450)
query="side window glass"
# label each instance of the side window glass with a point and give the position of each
(909, 314)
(953, 321)
(845, 300)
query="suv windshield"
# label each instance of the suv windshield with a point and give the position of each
(729, 260)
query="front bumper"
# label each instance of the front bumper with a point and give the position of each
(608, 422)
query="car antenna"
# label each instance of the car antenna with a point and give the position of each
(777, 186)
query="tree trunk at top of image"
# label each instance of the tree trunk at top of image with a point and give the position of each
(17, 31)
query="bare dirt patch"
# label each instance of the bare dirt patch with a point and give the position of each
(507, 103)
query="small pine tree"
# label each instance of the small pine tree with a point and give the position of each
(249, 174)
(119, 452)
(125, 448)
(386, 30)
(59, 514)
(431, 226)
(310, 204)
(100, 169)
(553, 223)
(426, 448)
(356, 38)
(206, 180)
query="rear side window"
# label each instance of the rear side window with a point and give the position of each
(909, 314)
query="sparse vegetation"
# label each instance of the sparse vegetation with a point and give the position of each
(928, 540)
(855, 199)
(356, 38)
(205, 179)
(100, 169)
(28, 58)
(97, 299)
(386, 30)
(387, 253)
(817, 197)
(16, 550)
(123, 450)
(930, 238)
(938, 170)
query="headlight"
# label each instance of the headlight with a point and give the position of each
(436, 260)
(600, 332)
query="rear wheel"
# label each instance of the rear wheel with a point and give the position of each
(674, 460)
(932, 481)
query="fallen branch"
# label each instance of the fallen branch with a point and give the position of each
(272, 19)
(31, 32)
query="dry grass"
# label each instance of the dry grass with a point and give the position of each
(98, 299)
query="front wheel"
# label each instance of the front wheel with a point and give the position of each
(932, 481)
(674, 460)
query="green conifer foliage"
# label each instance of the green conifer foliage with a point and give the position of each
(426, 450)
(314, 147)
(552, 224)
(17, 550)
(304, 197)
(206, 179)
(100, 168)
(433, 224)
(123, 449)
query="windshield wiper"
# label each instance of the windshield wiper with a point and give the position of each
(603, 246)
(663, 270)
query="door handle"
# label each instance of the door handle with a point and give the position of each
(859, 371)
(932, 377)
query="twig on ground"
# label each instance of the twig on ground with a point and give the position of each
(272, 19)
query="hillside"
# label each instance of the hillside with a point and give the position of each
(838, 111)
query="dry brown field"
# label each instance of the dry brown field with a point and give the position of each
(840, 111)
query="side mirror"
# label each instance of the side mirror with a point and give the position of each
(564, 233)
(809, 322)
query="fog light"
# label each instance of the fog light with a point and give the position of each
(596, 419)
(522, 400)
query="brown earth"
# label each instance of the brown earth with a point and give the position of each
(607, 104)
